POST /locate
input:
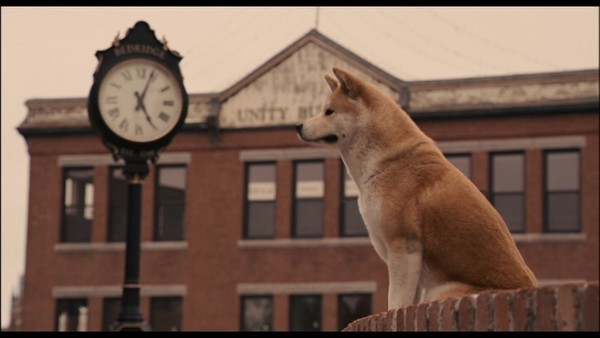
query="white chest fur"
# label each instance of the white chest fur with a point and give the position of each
(369, 206)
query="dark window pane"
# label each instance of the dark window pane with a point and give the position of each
(257, 313)
(117, 206)
(309, 180)
(260, 201)
(462, 162)
(71, 314)
(165, 313)
(170, 201)
(352, 307)
(508, 172)
(562, 171)
(110, 312)
(309, 218)
(309, 171)
(261, 220)
(261, 172)
(512, 209)
(353, 224)
(562, 211)
(562, 191)
(309, 193)
(78, 206)
(305, 313)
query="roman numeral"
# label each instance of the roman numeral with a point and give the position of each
(138, 130)
(141, 72)
(124, 125)
(114, 113)
(126, 74)
(111, 99)
(163, 116)
(115, 85)
(168, 102)
(165, 89)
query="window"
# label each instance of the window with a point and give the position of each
(78, 208)
(462, 162)
(305, 313)
(352, 307)
(352, 221)
(165, 313)
(308, 202)
(561, 191)
(111, 308)
(257, 313)
(170, 203)
(71, 314)
(260, 200)
(508, 188)
(118, 191)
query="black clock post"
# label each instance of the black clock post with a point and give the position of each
(137, 104)
(130, 318)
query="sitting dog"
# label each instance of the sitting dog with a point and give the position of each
(438, 234)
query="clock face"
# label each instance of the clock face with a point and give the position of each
(140, 100)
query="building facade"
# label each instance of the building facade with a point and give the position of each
(244, 227)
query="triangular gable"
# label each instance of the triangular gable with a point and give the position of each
(290, 88)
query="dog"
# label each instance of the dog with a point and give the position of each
(437, 233)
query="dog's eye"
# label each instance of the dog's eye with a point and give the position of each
(328, 112)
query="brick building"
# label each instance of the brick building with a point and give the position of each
(244, 227)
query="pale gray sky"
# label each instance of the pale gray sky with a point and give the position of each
(48, 52)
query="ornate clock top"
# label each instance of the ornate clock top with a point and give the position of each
(138, 101)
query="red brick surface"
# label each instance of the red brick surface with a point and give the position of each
(523, 312)
(502, 316)
(410, 318)
(433, 316)
(484, 314)
(546, 309)
(448, 315)
(589, 307)
(466, 314)
(422, 317)
(567, 307)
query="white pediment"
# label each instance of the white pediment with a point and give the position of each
(290, 92)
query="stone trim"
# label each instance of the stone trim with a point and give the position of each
(306, 288)
(107, 159)
(116, 290)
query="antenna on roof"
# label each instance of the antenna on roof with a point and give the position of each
(317, 19)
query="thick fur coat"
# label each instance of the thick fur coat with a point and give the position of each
(438, 234)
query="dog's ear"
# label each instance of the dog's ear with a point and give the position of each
(349, 84)
(331, 82)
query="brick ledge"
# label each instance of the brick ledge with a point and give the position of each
(564, 307)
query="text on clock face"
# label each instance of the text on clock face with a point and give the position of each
(140, 101)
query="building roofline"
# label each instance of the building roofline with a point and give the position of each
(321, 40)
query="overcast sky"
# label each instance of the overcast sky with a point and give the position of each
(49, 53)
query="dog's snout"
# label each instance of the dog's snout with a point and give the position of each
(299, 128)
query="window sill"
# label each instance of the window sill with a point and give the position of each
(365, 241)
(118, 246)
(550, 238)
(303, 243)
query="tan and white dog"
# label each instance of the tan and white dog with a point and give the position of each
(438, 234)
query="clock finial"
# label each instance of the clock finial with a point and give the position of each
(116, 41)
(165, 43)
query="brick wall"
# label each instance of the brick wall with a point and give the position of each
(566, 307)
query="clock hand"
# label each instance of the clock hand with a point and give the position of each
(147, 84)
(140, 97)
(148, 116)
(140, 102)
